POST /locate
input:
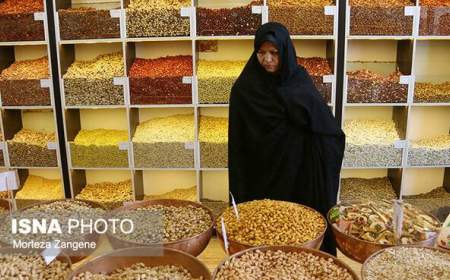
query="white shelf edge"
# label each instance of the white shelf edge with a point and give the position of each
(313, 37)
(212, 169)
(373, 167)
(376, 104)
(162, 106)
(430, 104)
(238, 37)
(23, 43)
(426, 166)
(157, 39)
(94, 107)
(165, 169)
(100, 168)
(213, 105)
(33, 167)
(424, 38)
(382, 37)
(27, 107)
(90, 41)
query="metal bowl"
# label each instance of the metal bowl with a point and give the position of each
(236, 246)
(122, 258)
(289, 249)
(358, 249)
(370, 258)
(193, 245)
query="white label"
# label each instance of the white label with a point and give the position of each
(189, 145)
(9, 180)
(2, 145)
(233, 202)
(404, 80)
(51, 253)
(398, 219)
(224, 235)
(120, 81)
(123, 146)
(115, 13)
(328, 79)
(45, 83)
(186, 12)
(410, 11)
(329, 10)
(39, 16)
(400, 144)
(187, 80)
(256, 9)
(52, 146)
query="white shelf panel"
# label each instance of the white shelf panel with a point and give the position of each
(90, 41)
(213, 169)
(159, 39)
(100, 168)
(213, 105)
(34, 167)
(163, 106)
(430, 104)
(164, 169)
(369, 37)
(426, 166)
(97, 107)
(427, 38)
(27, 107)
(375, 104)
(313, 37)
(23, 43)
(372, 167)
(243, 37)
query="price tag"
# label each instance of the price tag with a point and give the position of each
(50, 253)
(186, 12)
(115, 13)
(123, 146)
(189, 145)
(405, 80)
(398, 219)
(328, 79)
(2, 145)
(400, 144)
(410, 11)
(233, 202)
(39, 16)
(46, 83)
(329, 10)
(187, 80)
(224, 235)
(9, 180)
(257, 9)
(120, 81)
(52, 146)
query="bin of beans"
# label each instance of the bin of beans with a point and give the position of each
(17, 21)
(213, 137)
(434, 18)
(20, 83)
(407, 262)
(363, 189)
(215, 79)
(26, 264)
(317, 68)
(157, 18)
(366, 86)
(363, 228)
(432, 92)
(99, 148)
(177, 224)
(276, 223)
(160, 80)
(40, 188)
(87, 23)
(91, 82)
(380, 17)
(107, 194)
(165, 142)
(29, 148)
(371, 143)
(142, 263)
(436, 202)
(302, 17)
(283, 262)
(222, 19)
(62, 211)
(177, 193)
(430, 151)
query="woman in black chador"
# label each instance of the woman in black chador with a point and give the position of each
(284, 142)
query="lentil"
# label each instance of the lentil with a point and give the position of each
(109, 195)
(317, 67)
(362, 189)
(160, 142)
(213, 137)
(159, 81)
(434, 18)
(429, 92)
(181, 194)
(91, 82)
(17, 20)
(99, 148)
(408, 263)
(20, 83)
(272, 222)
(40, 188)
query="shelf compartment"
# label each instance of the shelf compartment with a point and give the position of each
(426, 92)
(18, 23)
(318, 68)
(224, 19)
(214, 191)
(213, 138)
(167, 185)
(39, 186)
(303, 18)
(434, 18)
(432, 151)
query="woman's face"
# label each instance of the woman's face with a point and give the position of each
(269, 57)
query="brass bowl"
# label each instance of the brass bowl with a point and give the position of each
(370, 258)
(193, 245)
(122, 258)
(358, 249)
(236, 246)
(289, 249)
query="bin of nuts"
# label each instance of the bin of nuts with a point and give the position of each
(213, 137)
(363, 228)
(178, 193)
(222, 19)
(283, 262)
(370, 143)
(142, 263)
(20, 83)
(215, 79)
(363, 189)
(177, 224)
(276, 223)
(365, 86)
(28, 148)
(107, 194)
(380, 17)
(160, 80)
(87, 23)
(430, 151)
(92, 82)
(436, 202)
(99, 148)
(17, 20)
(26, 264)
(216, 206)
(302, 17)
(157, 18)
(318, 67)
(434, 18)
(407, 262)
(432, 92)
(162, 142)
(40, 188)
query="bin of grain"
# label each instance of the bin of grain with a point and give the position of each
(370, 143)
(434, 18)
(160, 80)
(213, 137)
(432, 92)
(40, 188)
(157, 18)
(222, 19)
(87, 23)
(430, 151)
(176, 224)
(99, 148)
(28, 148)
(216, 206)
(165, 142)
(276, 223)
(20, 83)
(436, 202)
(363, 189)
(302, 17)
(107, 194)
(17, 21)
(215, 79)
(91, 82)
(177, 193)
(380, 17)
(317, 68)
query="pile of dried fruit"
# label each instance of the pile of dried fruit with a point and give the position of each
(434, 18)
(29, 148)
(109, 195)
(17, 20)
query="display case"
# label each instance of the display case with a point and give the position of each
(434, 18)
(213, 138)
